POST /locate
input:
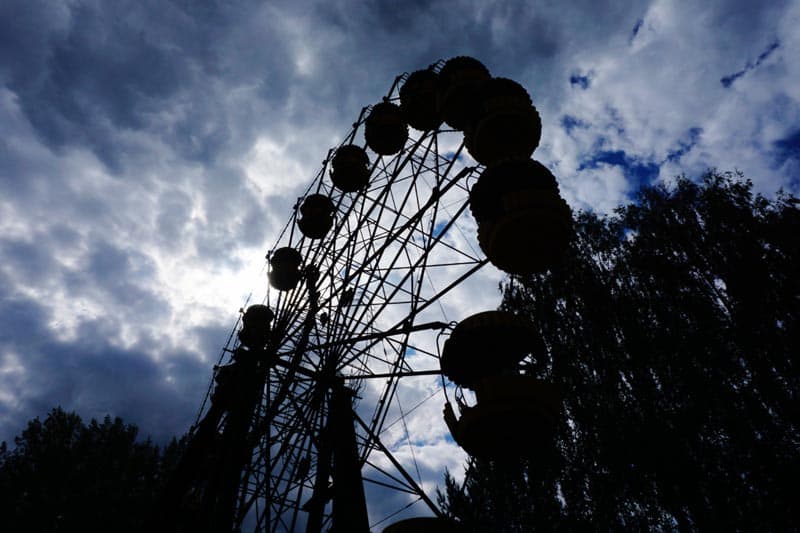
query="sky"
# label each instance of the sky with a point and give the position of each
(151, 151)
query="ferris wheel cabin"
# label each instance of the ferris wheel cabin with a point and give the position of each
(285, 273)
(460, 81)
(385, 129)
(514, 416)
(316, 216)
(418, 100)
(506, 123)
(514, 413)
(487, 343)
(256, 323)
(350, 168)
(524, 225)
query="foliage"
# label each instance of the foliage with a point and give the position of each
(672, 334)
(64, 475)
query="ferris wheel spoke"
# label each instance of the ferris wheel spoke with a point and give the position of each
(420, 262)
(383, 404)
(404, 227)
(431, 299)
(396, 486)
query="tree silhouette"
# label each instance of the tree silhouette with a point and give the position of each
(64, 475)
(672, 332)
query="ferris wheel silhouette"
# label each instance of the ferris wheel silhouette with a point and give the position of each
(294, 423)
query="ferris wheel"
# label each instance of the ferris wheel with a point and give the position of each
(363, 293)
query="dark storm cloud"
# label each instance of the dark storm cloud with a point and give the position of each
(137, 84)
(110, 274)
(84, 72)
(89, 374)
(123, 276)
(413, 35)
(234, 216)
(93, 75)
(29, 258)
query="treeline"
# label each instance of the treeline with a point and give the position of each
(65, 475)
(672, 334)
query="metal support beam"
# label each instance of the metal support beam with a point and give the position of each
(396, 374)
(399, 467)
(349, 501)
(397, 330)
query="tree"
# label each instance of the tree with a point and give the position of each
(64, 475)
(672, 334)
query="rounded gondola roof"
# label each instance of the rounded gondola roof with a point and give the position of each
(385, 129)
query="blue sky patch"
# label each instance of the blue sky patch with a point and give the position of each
(636, 29)
(727, 81)
(569, 123)
(636, 171)
(438, 229)
(577, 80)
(787, 148)
(684, 146)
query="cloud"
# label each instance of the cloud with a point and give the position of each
(88, 374)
